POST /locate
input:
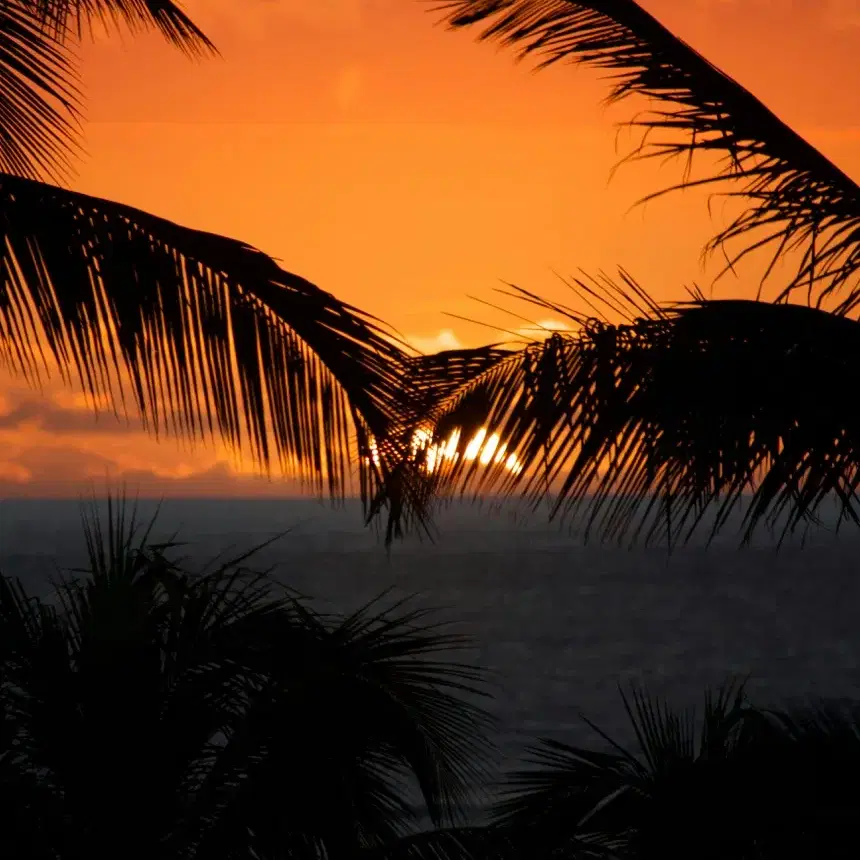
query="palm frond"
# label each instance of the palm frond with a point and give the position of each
(431, 378)
(754, 783)
(40, 99)
(358, 714)
(205, 336)
(668, 424)
(32, 810)
(128, 678)
(799, 201)
(39, 96)
(815, 752)
(640, 802)
(405, 492)
(431, 700)
(67, 17)
(253, 722)
(556, 806)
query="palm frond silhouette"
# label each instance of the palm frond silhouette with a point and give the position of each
(798, 200)
(204, 336)
(214, 713)
(39, 95)
(640, 428)
(732, 780)
(208, 335)
(165, 16)
(643, 425)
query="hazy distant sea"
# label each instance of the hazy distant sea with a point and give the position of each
(559, 623)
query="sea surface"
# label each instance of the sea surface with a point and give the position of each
(559, 623)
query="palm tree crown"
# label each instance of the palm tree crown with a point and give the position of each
(642, 425)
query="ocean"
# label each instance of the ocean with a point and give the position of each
(559, 623)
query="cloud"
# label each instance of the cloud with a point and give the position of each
(542, 329)
(60, 465)
(46, 414)
(221, 479)
(69, 472)
(445, 339)
(14, 474)
(53, 445)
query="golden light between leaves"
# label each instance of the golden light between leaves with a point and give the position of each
(487, 448)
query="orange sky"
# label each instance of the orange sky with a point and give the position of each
(404, 168)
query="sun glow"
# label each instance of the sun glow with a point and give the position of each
(486, 449)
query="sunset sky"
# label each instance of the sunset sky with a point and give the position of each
(403, 168)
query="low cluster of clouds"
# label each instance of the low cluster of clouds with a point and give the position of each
(446, 338)
(53, 444)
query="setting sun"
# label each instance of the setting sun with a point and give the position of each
(486, 449)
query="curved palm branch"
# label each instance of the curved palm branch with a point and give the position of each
(40, 100)
(370, 711)
(72, 16)
(434, 377)
(812, 751)
(39, 97)
(798, 200)
(651, 425)
(205, 335)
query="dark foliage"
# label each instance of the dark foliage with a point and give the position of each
(207, 336)
(668, 422)
(72, 18)
(40, 101)
(736, 783)
(39, 96)
(218, 715)
(644, 426)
